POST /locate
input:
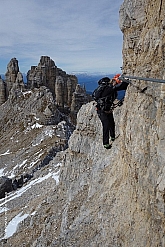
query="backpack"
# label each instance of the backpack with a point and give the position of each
(98, 91)
(103, 103)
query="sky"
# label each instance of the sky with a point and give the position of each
(79, 36)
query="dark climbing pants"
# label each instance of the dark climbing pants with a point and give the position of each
(108, 124)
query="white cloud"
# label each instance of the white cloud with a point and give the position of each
(73, 33)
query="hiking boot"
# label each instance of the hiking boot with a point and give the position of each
(107, 146)
(112, 139)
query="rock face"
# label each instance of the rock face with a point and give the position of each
(87, 195)
(2, 91)
(79, 96)
(35, 106)
(61, 85)
(43, 75)
(18, 87)
(5, 186)
(11, 75)
(143, 25)
(13, 84)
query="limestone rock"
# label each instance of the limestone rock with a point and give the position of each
(11, 74)
(18, 86)
(87, 195)
(43, 75)
(132, 14)
(72, 83)
(13, 84)
(70, 91)
(142, 23)
(79, 98)
(48, 74)
(2, 91)
(61, 85)
(59, 91)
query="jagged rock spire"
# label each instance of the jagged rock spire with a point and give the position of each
(67, 94)
(43, 75)
(11, 74)
(59, 91)
(2, 92)
(18, 86)
(61, 85)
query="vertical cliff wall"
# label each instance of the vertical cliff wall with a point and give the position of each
(143, 26)
(116, 197)
(2, 91)
(11, 75)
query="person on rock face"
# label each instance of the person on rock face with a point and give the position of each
(104, 95)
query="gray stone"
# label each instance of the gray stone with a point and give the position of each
(95, 197)
(62, 86)
(11, 75)
(5, 186)
(43, 75)
(2, 91)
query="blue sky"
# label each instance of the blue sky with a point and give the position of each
(80, 36)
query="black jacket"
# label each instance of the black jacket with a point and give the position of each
(121, 86)
(104, 95)
(109, 90)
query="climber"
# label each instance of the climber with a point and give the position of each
(104, 95)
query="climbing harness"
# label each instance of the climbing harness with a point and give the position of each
(114, 105)
(119, 103)
(126, 79)
(106, 103)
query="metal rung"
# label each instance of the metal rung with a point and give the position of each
(142, 78)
